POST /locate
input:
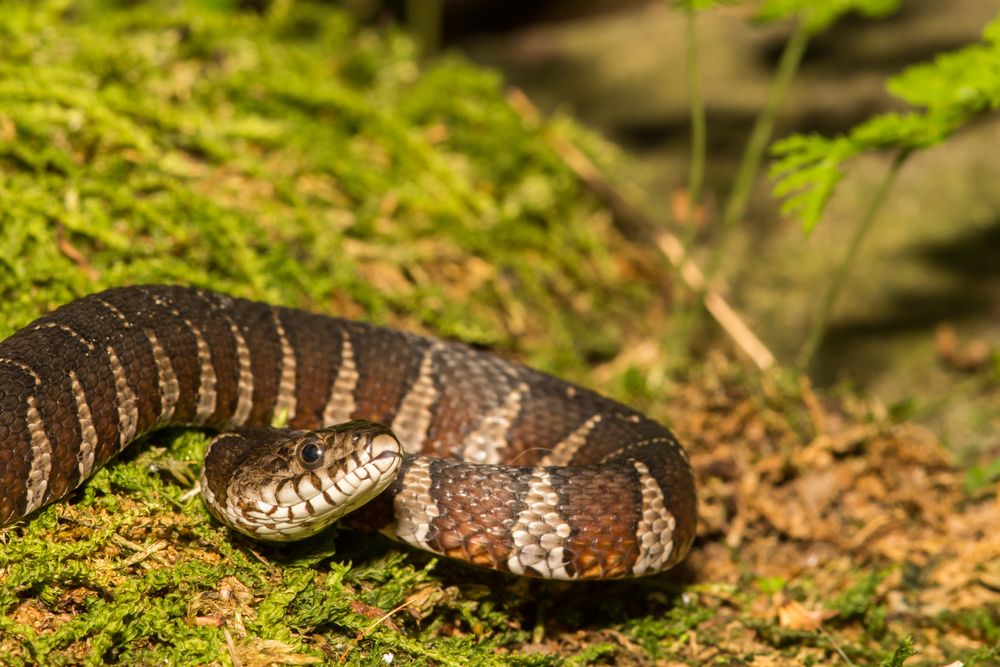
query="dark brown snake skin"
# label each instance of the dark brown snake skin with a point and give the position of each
(507, 467)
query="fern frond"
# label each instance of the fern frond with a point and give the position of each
(808, 171)
(701, 5)
(969, 78)
(946, 93)
(819, 16)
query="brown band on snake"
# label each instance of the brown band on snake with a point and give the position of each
(558, 481)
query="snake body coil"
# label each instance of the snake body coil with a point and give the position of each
(505, 467)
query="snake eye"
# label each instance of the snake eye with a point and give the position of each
(310, 453)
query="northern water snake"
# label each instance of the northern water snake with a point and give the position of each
(504, 466)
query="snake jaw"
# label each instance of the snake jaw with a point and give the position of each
(272, 495)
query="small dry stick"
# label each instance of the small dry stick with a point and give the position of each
(364, 633)
(636, 224)
(74, 255)
(231, 646)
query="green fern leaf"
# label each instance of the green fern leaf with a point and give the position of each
(701, 5)
(820, 15)
(946, 95)
(808, 171)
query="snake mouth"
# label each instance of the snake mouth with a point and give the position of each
(386, 459)
(301, 506)
(387, 456)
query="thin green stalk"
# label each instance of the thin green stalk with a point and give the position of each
(835, 286)
(696, 176)
(424, 18)
(760, 137)
(685, 315)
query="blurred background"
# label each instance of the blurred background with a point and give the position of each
(918, 315)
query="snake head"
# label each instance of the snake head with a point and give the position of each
(282, 485)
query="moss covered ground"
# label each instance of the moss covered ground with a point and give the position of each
(297, 157)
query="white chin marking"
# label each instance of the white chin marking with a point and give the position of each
(345, 487)
(306, 489)
(291, 510)
(286, 494)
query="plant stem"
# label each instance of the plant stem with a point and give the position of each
(698, 141)
(753, 155)
(686, 314)
(424, 21)
(835, 286)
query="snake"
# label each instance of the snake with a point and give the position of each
(446, 447)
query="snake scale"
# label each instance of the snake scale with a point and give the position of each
(495, 464)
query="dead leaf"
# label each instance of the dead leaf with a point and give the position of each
(794, 616)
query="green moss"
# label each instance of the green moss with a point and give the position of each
(899, 656)
(303, 159)
(295, 157)
(860, 598)
(659, 635)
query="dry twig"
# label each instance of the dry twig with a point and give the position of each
(637, 225)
